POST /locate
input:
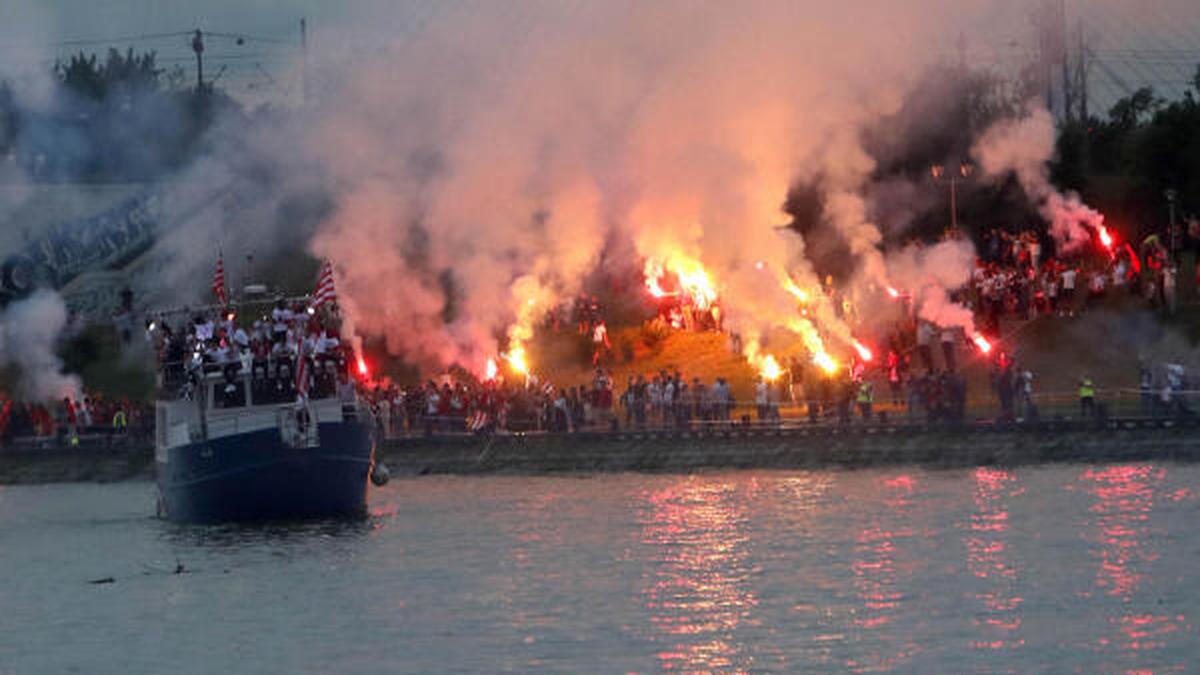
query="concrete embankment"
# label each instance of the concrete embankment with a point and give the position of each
(86, 463)
(850, 447)
(797, 448)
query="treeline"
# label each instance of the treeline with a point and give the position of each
(1126, 161)
(112, 119)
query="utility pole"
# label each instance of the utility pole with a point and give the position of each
(1081, 75)
(304, 60)
(198, 47)
(1063, 42)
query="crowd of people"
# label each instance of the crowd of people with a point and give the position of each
(1013, 278)
(270, 350)
(470, 405)
(70, 419)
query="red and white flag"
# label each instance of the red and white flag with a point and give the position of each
(324, 292)
(218, 285)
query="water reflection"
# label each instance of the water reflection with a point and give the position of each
(1123, 544)
(698, 592)
(988, 560)
(879, 580)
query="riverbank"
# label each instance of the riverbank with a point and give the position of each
(669, 451)
(801, 447)
(85, 463)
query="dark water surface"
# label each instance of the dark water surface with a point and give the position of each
(1055, 569)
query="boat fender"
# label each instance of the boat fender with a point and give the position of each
(380, 475)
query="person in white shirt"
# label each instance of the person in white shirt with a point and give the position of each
(1068, 277)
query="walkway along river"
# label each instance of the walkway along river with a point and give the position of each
(783, 447)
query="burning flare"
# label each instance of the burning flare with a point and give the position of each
(891, 290)
(516, 359)
(363, 370)
(691, 279)
(864, 353)
(769, 368)
(791, 287)
(491, 370)
(825, 362)
(982, 343)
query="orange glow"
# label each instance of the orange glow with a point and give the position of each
(690, 276)
(791, 287)
(982, 343)
(863, 352)
(491, 370)
(516, 359)
(770, 369)
(825, 362)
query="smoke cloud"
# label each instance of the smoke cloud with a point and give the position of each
(29, 332)
(483, 166)
(1024, 147)
(931, 274)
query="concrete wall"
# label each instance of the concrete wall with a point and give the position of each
(854, 447)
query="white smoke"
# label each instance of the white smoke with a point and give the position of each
(484, 163)
(1024, 146)
(931, 274)
(29, 332)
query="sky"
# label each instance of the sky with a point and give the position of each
(1133, 42)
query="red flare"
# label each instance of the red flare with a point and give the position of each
(1105, 237)
(362, 367)
(863, 352)
(893, 292)
(982, 343)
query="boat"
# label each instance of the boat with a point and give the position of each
(239, 444)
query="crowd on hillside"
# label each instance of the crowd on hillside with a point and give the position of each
(1013, 278)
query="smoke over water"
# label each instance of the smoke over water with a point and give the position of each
(483, 166)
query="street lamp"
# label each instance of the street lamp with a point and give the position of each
(939, 173)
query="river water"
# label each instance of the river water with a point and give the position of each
(1054, 568)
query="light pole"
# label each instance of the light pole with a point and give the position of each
(938, 171)
(198, 48)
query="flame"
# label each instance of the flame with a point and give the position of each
(1105, 237)
(982, 343)
(825, 362)
(863, 352)
(769, 368)
(791, 287)
(491, 370)
(516, 359)
(363, 370)
(690, 276)
(891, 290)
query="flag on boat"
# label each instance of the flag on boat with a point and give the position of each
(218, 285)
(324, 292)
(478, 421)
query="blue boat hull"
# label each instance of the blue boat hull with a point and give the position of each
(255, 476)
